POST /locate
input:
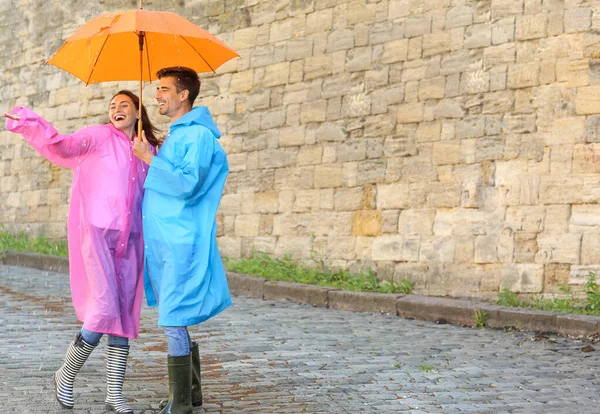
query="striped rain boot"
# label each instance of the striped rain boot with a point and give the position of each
(77, 354)
(116, 364)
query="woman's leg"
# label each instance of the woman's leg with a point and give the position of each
(117, 340)
(117, 352)
(92, 338)
(78, 352)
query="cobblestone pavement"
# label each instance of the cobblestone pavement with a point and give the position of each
(279, 357)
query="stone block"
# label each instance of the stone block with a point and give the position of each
(561, 190)
(459, 16)
(244, 38)
(366, 223)
(349, 199)
(310, 155)
(266, 202)
(577, 20)
(587, 100)
(584, 219)
(486, 250)
(298, 247)
(247, 225)
(525, 248)
(436, 43)
(446, 153)
(478, 35)
(526, 219)
(577, 325)
(363, 301)
(297, 293)
(448, 108)
(319, 21)
(503, 31)
(475, 82)
(409, 113)
(340, 39)
(432, 88)
(499, 55)
(558, 248)
(358, 59)
(277, 74)
(230, 246)
(395, 51)
(313, 112)
(531, 27)
(417, 26)
(327, 176)
(459, 312)
(522, 278)
(387, 247)
(245, 285)
(392, 196)
(556, 276)
(45, 262)
(523, 75)
(524, 319)
(317, 66)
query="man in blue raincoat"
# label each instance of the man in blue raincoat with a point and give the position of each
(184, 274)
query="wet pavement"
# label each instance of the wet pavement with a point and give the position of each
(280, 357)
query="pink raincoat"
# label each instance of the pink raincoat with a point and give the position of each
(105, 221)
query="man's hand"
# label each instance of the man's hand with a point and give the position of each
(11, 116)
(141, 149)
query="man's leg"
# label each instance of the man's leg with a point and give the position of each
(196, 372)
(180, 371)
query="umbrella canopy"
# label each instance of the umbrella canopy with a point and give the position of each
(134, 44)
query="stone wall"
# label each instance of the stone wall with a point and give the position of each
(454, 143)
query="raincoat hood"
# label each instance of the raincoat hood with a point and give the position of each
(200, 115)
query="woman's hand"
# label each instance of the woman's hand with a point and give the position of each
(161, 141)
(141, 149)
(11, 116)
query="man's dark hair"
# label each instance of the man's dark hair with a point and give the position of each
(185, 78)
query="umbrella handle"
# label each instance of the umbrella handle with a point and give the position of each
(141, 44)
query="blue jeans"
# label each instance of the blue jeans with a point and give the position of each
(93, 338)
(178, 340)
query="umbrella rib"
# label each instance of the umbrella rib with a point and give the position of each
(96, 61)
(147, 57)
(193, 48)
(199, 54)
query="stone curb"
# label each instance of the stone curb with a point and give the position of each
(440, 310)
(36, 261)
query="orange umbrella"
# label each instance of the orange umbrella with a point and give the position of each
(135, 44)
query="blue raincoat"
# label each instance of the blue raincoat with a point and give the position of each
(183, 273)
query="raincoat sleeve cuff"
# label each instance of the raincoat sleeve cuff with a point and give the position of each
(155, 172)
(17, 126)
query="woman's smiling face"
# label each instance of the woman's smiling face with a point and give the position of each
(122, 113)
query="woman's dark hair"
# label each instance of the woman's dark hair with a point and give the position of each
(147, 126)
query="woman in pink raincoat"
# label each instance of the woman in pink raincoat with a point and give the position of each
(105, 234)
